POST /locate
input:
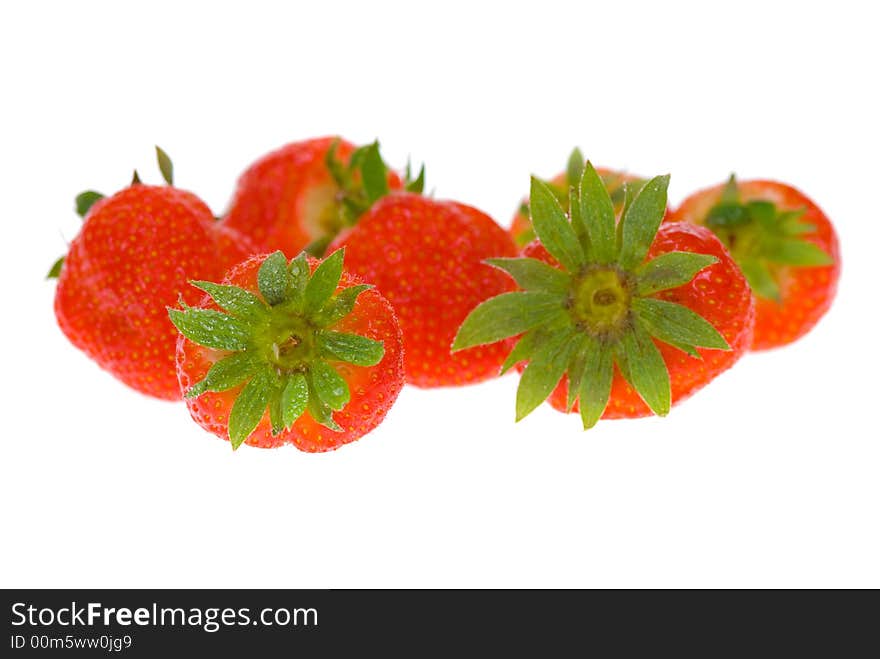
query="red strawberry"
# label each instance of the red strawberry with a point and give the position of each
(132, 258)
(717, 293)
(305, 354)
(521, 228)
(303, 194)
(785, 245)
(638, 319)
(426, 257)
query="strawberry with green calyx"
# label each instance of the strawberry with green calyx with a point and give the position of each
(614, 181)
(628, 315)
(785, 245)
(303, 194)
(295, 352)
(133, 257)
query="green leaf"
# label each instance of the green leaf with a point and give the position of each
(553, 228)
(225, 374)
(322, 413)
(235, 300)
(340, 306)
(686, 348)
(356, 159)
(534, 275)
(249, 407)
(595, 385)
(351, 348)
(578, 224)
(670, 270)
(328, 385)
(576, 366)
(791, 251)
(507, 315)
(55, 270)
(728, 216)
(598, 215)
(641, 221)
(324, 281)
(135, 178)
(522, 351)
(791, 223)
(275, 415)
(575, 168)
(272, 278)
(544, 371)
(629, 193)
(85, 200)
(416, 185)
(318, 246)
(212, 329)
(647, 371)
(676, 324)
(298, 279)
(374, 173)
(526, 236)
(761, 280)
(763, 213)
(620, 358)
(730, 192)
(294, 399)
(334, 165)
(165, 166)
(634, 186)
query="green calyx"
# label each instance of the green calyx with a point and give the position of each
(614, 183)
(763, 239)
(361, 182)
(281, 343)
(597, 308)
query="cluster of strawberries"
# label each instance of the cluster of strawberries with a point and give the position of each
(331, 281)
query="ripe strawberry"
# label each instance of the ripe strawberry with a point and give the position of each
(300, 196)
(614, 181)
(132, 258)
(305, 354)
(637, 319)
(427, 257)
(785, 245)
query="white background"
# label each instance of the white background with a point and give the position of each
(769, 477)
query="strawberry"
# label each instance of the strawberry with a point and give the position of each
(634, 318)
(132, 258)
(426, 257)
(785, 245)
(295, 353)
(521, 228)
(300, 196)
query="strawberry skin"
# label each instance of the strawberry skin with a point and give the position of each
(373, 388)
(805, 292)
(288, 199)
(132, 258)
(426, 257)
(719, 293)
